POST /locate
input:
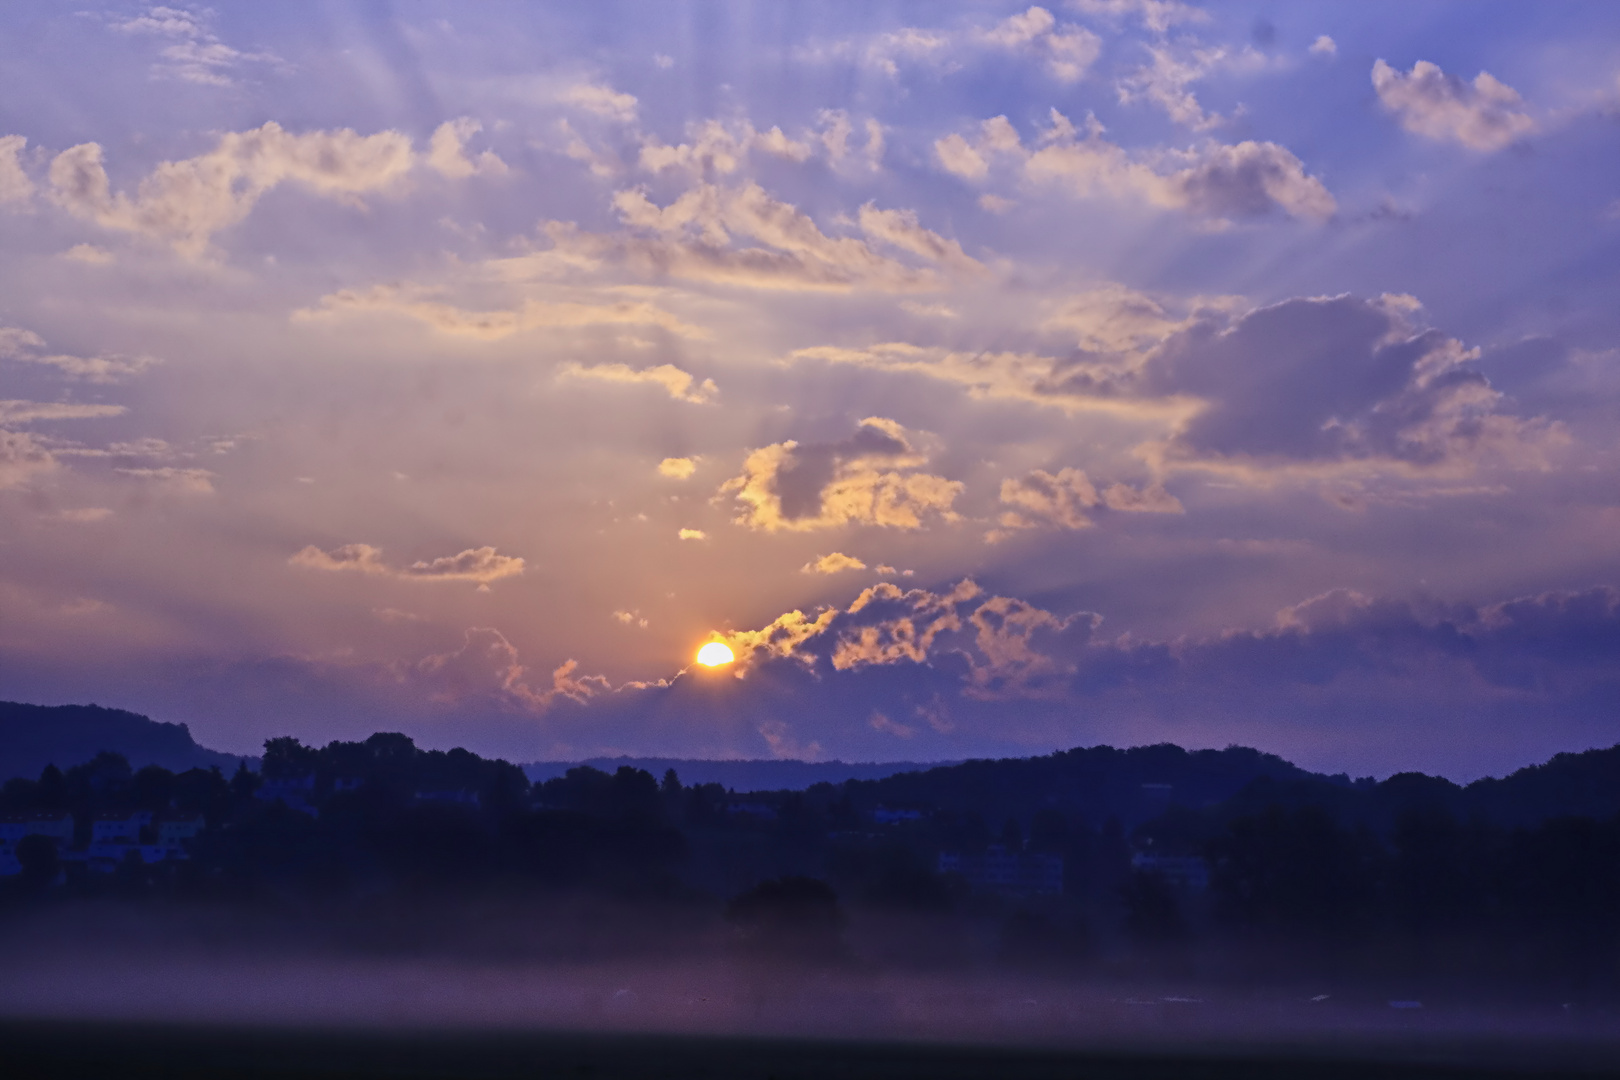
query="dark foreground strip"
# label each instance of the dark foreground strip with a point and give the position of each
(109, 1051)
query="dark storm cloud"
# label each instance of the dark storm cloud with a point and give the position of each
(1335, 379)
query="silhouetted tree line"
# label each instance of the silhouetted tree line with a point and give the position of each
(362, 818)
(1414, 877)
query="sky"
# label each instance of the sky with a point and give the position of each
(991, 378)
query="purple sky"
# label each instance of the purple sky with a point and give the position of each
(993, 379)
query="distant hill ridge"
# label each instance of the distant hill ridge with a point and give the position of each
(34, 736)
(764, 774)
(1094, 783)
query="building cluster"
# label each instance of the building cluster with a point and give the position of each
(1008, 871)
(1188, 873)
(113, 839)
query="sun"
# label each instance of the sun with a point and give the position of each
(714, 654)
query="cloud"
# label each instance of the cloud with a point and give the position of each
(1061, 500)
(1338, 381)
(835, 563)
(98, 369)
(1485, 115)
(929, 311)
(1151, 499)
(196, 55)
(28, 347)
(886, 51)
(880, 721)
(185, 202)
(1067, 51)
(1443, 676)
(88, 254)
(486, 670)
(836, 129)
(494, 325)
(1098, 383)
(1246, 180)
(784, 745)
(900, 228)
(1042, 498)
(631, 618)
(885, 626)
(1324, 46)
(680, 385)
(988, 647)
(360, 557)
(1249, 180)
(694, 238)
(959, 157)
(692, 534)
(872, 478)
(22, 412)
(447, 151)
(15, 186)
(718, 149)
(481, 565)
(603, 101)
(1160, 16)
(1112, 320)
(677, 468)
(22, 458)
(86, 515)
(1320, 388)
(174, 478)
(1172, 69)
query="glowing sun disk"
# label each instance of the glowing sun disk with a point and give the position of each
(714, 654)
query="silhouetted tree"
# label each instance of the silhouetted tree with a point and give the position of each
(52, 793)
(1152, 910)
(152, 788)
(203, 791)
(890, 874)
(245, 782)
(101, 780)
(1049, 830)
(1293, 873)
(1012, 837)
(286, 757)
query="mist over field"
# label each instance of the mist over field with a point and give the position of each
(1233, 905)
(146, 969)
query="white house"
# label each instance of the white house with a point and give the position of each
(120, 828)
(1015, 873)
(172, 830)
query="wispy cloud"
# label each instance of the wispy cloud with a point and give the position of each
(195, 54)
(679, 385)
(478, 565)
